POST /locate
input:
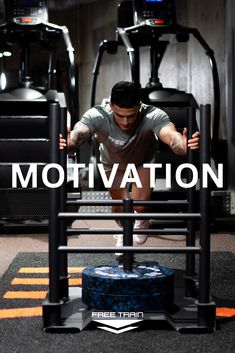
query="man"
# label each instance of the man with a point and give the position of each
(126, 130)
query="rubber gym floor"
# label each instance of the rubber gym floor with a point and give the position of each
(13, 244)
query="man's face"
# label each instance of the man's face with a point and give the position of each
(125, 117)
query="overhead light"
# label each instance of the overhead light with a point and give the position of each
(5, 50)
(6, 53)
(3, 81)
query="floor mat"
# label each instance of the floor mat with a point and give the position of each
(25, 284)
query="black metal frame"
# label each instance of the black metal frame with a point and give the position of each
(63, 309)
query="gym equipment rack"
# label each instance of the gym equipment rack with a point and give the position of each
(63, 310)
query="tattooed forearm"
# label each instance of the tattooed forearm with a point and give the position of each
(80, 134)
(177, 144)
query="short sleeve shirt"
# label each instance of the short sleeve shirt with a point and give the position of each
(117, 146)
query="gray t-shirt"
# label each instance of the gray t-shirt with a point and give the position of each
(117, 146)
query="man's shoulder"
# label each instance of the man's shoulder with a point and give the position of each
(150, 111)
(98, 111)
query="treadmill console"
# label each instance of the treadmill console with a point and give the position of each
(154, 13)
(26, 12)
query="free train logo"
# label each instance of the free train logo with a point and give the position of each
(117, 322)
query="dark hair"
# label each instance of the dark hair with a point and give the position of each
(125, 94)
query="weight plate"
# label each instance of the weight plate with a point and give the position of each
(145, 278)
(147, 287)
(118, 302)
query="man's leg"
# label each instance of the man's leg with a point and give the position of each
(118, 193)
(143, 193)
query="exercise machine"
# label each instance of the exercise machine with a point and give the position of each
(26, 23)
(25, 108)
(185, 304)
(189, 308)
(143, 23)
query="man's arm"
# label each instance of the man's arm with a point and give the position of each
(177, 141)
(80, 134)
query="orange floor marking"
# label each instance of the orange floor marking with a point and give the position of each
(25, 295)
(33, 270)
(42, 281)
(225, 312)
(30, 281)
(75, 281)
(20, 312)
(46, 270)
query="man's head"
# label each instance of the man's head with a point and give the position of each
(125, 94)
(125, 104)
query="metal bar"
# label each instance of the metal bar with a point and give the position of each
(133, 249)
(190, 258)
(157, 51)
(25, 59)
(129, 215)
(63, 258)
(73, 71)
(136, 68)
(53, 206)
(168, 231)
(128, 235)
(132, 54)
(52, 70)
(111, 48)
(216, 86)
(204, 266)
(95, 71)
(120, 202)
(24, 139)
